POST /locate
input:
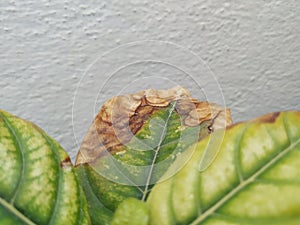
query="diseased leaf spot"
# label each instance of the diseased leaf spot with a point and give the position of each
(269, 118)
(135, 138)
(66, 163)
(121, 117)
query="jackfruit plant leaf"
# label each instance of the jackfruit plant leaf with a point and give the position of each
(38, 184)
(134, 139)
(131, 212)
(254, 180)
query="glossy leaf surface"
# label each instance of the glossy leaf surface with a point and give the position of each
(131, 212)
(37, 182)
(133, 141)
(254, 180)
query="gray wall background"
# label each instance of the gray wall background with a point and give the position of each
(47, 47)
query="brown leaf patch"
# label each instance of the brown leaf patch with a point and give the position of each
(121, 117)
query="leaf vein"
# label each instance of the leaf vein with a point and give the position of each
(145, 192)
(16, 212)
(19, 148)
(246, 182)
(60, 175)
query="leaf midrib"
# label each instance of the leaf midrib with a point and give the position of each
(156, 153)
(16, 212)
(243, 184)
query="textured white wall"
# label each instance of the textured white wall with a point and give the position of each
(252, 47)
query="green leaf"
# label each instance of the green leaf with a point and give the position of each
(133, 141)
(131, 212)
(37, 182)
(254, 180)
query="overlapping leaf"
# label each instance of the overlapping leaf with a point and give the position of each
(37, 181)
(254, 180)
(134, 139)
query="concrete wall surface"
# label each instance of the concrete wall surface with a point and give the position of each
(60, 60)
